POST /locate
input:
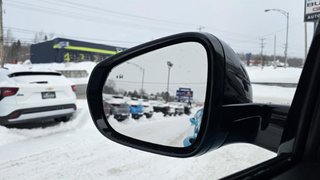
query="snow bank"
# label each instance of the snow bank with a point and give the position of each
(278, 75)
(272, 94)
(13, 135)
(87, 66)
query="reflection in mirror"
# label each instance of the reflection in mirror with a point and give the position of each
(158, 97)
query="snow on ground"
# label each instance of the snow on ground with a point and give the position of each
(171, 130)
(76, 149)
(278, 75)
(87, 66)
(272, 94)
(14, 135)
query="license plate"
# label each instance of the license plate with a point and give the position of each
(48, 95)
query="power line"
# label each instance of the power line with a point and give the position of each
(82, 17)
(71, 36)
(106, 11)
(102, 20)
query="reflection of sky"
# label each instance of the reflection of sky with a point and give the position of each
(189, 70)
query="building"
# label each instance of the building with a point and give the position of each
(61, 50)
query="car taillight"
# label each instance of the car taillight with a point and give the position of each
(74, 88)
(5, 91)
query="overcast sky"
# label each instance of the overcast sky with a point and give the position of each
(240, 23)
(189, 70)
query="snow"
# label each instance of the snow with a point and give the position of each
(86, 66)
(76, 149)
(169, 131)
(272, 94)
(274, 75)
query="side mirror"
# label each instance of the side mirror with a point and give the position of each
(195, 70)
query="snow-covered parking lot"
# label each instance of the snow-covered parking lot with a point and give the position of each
(76, 150)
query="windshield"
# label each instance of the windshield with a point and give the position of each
(51, 47)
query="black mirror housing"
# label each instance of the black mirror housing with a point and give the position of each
(227, 83)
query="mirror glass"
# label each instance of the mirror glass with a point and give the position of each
(158, 97)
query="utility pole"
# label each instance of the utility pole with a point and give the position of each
(200, 28)
(1, 38)
(305, 43)
(286, 14)
(169, 64)
(262, 46)
(274, 50)
(286, 50)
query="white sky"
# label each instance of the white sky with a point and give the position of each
(240, 23)
(189, 70)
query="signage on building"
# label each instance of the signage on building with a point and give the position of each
(312, 10)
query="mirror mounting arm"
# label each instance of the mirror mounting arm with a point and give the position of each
(259, 124)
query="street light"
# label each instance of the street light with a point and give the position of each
(142, 70)
(285, 13)
(169, 64)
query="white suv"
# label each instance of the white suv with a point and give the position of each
(30, 96)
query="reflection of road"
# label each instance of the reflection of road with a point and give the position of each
(160, 130)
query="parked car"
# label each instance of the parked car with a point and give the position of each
(117, 106)
(136, 108)
(166, 109)
(35, 96)
(195, 127)
(147, 108)
(178, 108)
(157, 105)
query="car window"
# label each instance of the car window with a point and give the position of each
(51, 48)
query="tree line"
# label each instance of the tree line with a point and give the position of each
(110, 88)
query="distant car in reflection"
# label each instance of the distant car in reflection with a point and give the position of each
(117, 106)
(178, 108)
(165, 108)
(147, 108)
(172, 108)
(136, 108)
(157, 105)
(195, 128)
